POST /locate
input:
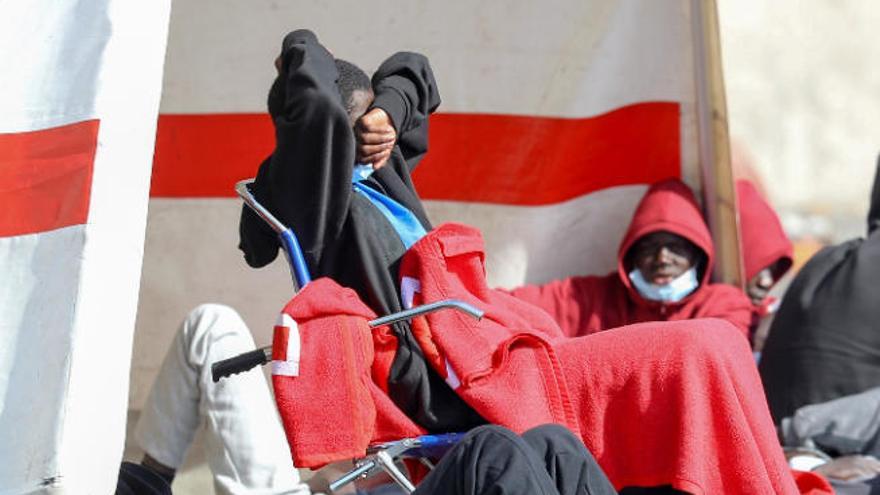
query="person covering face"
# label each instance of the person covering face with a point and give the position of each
(307, 184)
(664, 264)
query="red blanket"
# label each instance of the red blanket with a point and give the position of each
(322, 355)
(675, 403)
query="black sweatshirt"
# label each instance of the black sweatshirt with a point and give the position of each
(306, 184)
(824, 342)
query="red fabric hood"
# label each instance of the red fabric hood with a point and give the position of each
(669, 205)
(763, 240)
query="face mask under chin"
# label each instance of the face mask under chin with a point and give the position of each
(674, 291)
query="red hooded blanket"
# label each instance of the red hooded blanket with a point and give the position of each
(588, 304)
(657, 403)
(763, 239)
(764, 243)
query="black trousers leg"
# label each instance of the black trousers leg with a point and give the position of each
(572, 467)
(492, 460)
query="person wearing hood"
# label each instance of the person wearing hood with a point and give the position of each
(767, 255)
(824, 342)
(663, 270)
(340, 177)
(821, 362)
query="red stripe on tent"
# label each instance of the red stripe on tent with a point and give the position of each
(539, 160)
(205, 155)
(46, 178)
(505, 159)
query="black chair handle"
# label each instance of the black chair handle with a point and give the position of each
(239, 364)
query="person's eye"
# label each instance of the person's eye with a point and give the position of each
(682, 248)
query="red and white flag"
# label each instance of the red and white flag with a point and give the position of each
(79, 95)
(555, 117)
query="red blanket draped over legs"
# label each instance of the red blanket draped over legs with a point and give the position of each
(675, 403)
(662, 403)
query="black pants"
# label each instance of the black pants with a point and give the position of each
(135, 479)
(491, 460)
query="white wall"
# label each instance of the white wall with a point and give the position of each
(803, 94)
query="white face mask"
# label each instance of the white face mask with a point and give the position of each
(674, 291)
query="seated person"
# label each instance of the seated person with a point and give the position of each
(349, 232)
(823, 344)
(664, 264)
(328, 116)
(766, 253)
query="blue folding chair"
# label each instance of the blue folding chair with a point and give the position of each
(381, 457)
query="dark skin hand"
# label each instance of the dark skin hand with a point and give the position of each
(375, 138)
(662, 256)
(373, 130)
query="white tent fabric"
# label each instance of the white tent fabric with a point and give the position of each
(79, 96)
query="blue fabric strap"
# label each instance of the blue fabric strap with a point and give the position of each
(405, 223)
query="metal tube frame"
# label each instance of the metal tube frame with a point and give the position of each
(407, 314)
(292, 251)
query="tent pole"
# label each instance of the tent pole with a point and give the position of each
(719, 193)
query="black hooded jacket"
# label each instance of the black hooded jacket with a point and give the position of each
(825, 340)
(306, 184)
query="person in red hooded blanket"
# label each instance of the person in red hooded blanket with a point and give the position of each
(767, 255)
(663, 269)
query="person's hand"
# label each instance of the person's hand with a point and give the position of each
(850, 468)
(375, 138)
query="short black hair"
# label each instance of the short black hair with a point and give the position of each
(351, 79)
